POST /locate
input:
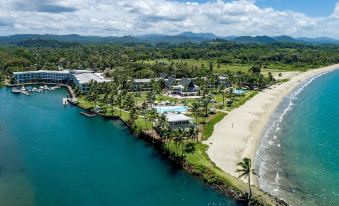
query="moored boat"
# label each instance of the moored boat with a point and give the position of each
(23, 88)
(15, 90)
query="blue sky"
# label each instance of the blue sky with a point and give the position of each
(309, 18)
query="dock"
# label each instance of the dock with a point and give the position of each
(65, 101)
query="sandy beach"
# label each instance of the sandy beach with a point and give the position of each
(238, 135)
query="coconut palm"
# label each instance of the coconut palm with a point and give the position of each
(246, 171)
(196, 112)
(151, 115)
(222, 91)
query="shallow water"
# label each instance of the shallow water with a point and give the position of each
(53, 155)
(299, 156)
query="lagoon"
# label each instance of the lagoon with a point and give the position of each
(52, 155)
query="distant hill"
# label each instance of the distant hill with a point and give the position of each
(156, 38)
(287, 39)
(184, 37)
(209, 36)
(14, 39)
(256, 39)
(319, 40)
(47, 43)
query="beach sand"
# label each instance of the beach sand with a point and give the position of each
(239, 134)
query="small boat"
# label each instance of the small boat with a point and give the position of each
(15, 90)
(23, 88)
(55, 87)
(29, 88)
(34, 89)
(41, 87)
(26, 93)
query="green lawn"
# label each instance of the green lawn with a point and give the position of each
(209, 126)
(192, 62)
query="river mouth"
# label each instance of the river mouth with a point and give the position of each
(292, 158)
(52, 155)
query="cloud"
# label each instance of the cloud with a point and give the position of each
(133, 17)
(47, 6)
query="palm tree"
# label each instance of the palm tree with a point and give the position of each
(222, 91)
(152, 115)
(205, 102)
(133, 116)
(246, 171)
(196, 112)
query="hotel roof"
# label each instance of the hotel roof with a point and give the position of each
(43, 71)
(87, 77)
(172, 117)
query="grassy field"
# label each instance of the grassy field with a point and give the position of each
(209, 126)
(232, 67)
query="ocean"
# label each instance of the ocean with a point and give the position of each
(298, 159)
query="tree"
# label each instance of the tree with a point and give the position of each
(205, 102)
(256, 69)
(196, 112)
(133, 116)
(222, 91)
(152, 115)
(211, 66)
(246, 171)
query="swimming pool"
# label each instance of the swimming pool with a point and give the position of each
(164, 109)
(239, 91)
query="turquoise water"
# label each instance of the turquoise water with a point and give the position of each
(239, 91)
(301, 150)
(52, 155)
(163, 109)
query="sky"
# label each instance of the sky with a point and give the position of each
(309, 18)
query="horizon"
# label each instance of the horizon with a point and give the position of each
(170, 17)
(170, 35)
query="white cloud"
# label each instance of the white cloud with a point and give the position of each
(132, 17)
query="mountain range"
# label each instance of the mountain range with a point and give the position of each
(160, 38)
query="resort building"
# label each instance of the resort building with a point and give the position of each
(142, 85)
(82, 80)
(44, 76)
(179, 121)
(223, 80)
(185, 87)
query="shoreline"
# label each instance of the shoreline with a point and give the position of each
(240, 133)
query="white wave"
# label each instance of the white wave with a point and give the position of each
(272, 131)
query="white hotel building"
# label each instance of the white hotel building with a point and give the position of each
(80, 78)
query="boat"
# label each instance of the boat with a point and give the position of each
(15, 90)
(34, 89)
(26, 93)
(55, 87)
(29, 88)
(41, 87)
(23, 88)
